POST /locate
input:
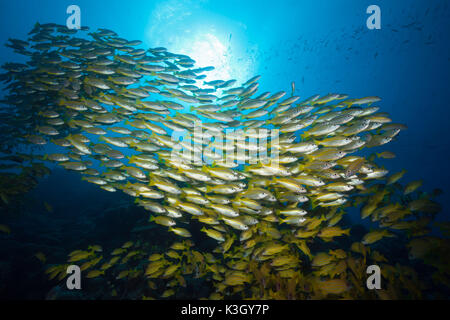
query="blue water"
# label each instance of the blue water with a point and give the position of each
(323, 46)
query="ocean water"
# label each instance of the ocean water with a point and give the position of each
(322, 46)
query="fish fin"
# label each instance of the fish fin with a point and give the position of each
(293, 205)
(305, 136)
(313, 204)
(204, 169)
(390, 234)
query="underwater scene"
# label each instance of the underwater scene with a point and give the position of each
(224, 150)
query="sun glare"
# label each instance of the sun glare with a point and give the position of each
(207, 50)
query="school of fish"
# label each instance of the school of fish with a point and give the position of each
(276, 223)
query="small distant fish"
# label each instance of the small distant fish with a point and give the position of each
(48, 207)
(5, 229)
(41, 257)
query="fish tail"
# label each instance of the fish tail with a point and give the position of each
(390, 234)
(305, 136)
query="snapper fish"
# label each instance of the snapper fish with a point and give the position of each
(147, 123)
